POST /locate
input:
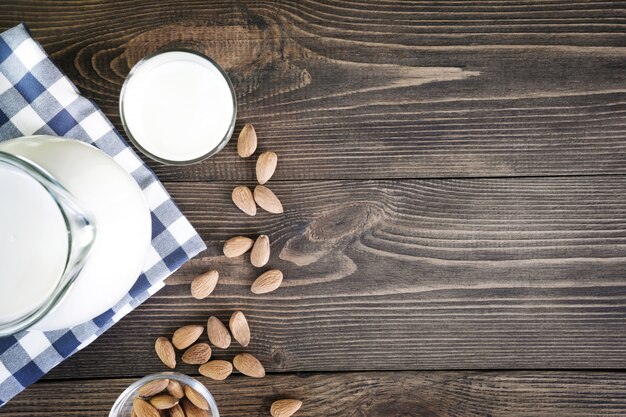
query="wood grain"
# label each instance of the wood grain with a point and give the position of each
(414, 274)
(376, 89)
(394, 272)
(383, 394)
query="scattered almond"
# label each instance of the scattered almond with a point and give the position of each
(244, 200)
(191, 410)
(175, 389)
(285, 408)
(265, 166)
(260, 254)
(217, 369)
(184, 401)
(143, 408)
(246, 144)
(249, 365)
(218, 333)
(153, 387)
(176, 411)
(239, 328)
(203, 285)
(163, 401)
(186, 336)
(165, 352)
(197, 354)
(267, 282)
(267, 200)
(236, 246)
(195, 397)
(133, 414)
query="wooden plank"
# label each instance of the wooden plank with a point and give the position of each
(414, 274)
(376, 90)
(463, 394)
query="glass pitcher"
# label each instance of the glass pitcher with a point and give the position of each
(24, 297)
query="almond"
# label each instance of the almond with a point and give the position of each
(239, 328)
(218, 333)
(285, 408)
(267, 282)
(236, 246)
(267, 200)
(163, 401)
(197, 354)
(191, 410)
(133, 414)
(249, 365)
(176, 411)
(153, 387)
(144, 409)
(217, 369)
(244, 200)
(260, 251)
(195, 397)
(165, 352)
(175, 389)
(203, 285)
(186, 336)
(246, 144)
(265, 166)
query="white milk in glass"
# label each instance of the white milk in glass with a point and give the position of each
(33, 243)
(178, 106)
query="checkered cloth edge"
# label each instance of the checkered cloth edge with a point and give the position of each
(36, 98)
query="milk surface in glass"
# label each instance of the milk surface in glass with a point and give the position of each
(178, 106)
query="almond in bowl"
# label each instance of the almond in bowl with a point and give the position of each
(179, 396)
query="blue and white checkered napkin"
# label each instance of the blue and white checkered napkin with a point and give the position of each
(36, 98)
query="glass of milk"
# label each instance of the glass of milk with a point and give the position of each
(46, 238)
(178, 106)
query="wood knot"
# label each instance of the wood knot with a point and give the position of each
(280, 358)
(256, 56)
(344, 221)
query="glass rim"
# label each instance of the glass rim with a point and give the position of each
(134, 141)
(131, 390)
(75, 255)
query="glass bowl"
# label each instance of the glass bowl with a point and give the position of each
(124, 403)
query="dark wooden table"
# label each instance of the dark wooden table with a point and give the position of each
(454, 242)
